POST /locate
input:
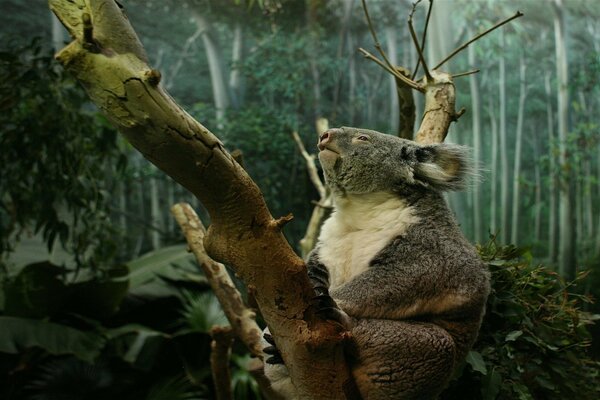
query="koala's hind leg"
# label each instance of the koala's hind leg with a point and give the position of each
(402, 359)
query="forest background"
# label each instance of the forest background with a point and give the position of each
(89, 248)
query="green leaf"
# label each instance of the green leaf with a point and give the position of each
(18, 334)
(170, 261)
(476, 362)
(137, 344)
(491, 385)
(512, 336)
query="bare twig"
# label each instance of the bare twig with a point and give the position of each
(240, 317)
(424, 36)
(411, 29)
(375, 39)
(474, 71)
(310, 165)
(394, 72)
(479, 36)
(222, 339)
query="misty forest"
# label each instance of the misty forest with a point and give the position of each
(143, 248)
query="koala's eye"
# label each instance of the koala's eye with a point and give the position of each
(363, 138)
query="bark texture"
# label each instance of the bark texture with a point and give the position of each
(108, 59)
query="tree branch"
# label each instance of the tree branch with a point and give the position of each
(310, 165)
(418, 46)
(404, 79)
(479, 36)
(222, 339)
(439, 109)
(120, 82)
(241, 318)
(424, 36)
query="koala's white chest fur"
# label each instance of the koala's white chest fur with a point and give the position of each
(360, 227)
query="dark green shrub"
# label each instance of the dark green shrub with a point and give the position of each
(534, 339)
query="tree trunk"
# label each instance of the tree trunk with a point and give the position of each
(108, 59)
(504, 173)
(567, 234)
(494, 179)
(58, 33)
(155, 213)
(216, 66)
(514, 239)
(537, 220)
(235, 76)
(476, 121)
(352, 80)
(552, 209)
(392, 52)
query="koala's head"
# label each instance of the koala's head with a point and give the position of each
(362, 161)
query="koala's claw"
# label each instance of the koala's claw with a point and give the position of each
(269, 338)
(327, 308)
(272, 351)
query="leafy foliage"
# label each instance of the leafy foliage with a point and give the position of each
(56, 151)
(534, 339)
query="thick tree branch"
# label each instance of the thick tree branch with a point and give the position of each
(120, 82)
(240, 317)
(439, 109)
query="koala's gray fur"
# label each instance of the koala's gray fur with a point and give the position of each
(394, 260)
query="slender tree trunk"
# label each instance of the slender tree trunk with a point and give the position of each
(235, 76)
(476, 120)
(122, 194)
(587, 212)
(504, 173)
(538, 198)
(342, 42)
(552, 203)
(215, 66)
(518, 146)
(155, 214)
(567, 238)
(494, 167)
(58, 33)
(170, 223)
(392, 52)
(312, 6)
(351, 80)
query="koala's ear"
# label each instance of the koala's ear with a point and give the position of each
(443, 166)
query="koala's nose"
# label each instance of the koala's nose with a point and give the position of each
(326, 137)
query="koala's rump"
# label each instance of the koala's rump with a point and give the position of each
(401, 359)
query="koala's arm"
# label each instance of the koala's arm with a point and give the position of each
(394, 288)
(317, 273)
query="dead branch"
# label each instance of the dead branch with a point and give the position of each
(241, 318)
(423, 37)
(220, 355)
(402, 78)
(374, 35)
(311, 166)
(118, 81)
(419, 47)
(477, 37)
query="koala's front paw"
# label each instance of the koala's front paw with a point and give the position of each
(327, 308)
(272, 351)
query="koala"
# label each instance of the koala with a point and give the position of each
(392, 265)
